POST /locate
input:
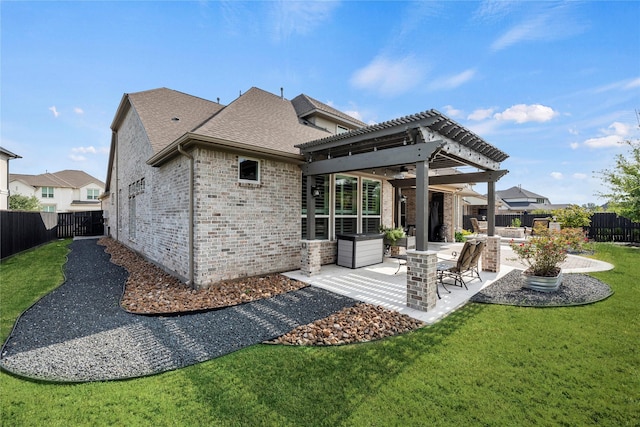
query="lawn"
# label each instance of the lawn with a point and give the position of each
(482, 365)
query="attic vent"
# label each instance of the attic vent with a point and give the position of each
(175, 119)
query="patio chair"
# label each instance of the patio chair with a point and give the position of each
(539, 222)
(477, 227)
(466, 264)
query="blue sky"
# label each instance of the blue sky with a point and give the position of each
(553, 84)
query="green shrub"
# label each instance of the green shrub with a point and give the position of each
(573, 216)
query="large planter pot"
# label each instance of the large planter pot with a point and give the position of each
(542, 283)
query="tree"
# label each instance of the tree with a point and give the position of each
(624, 182)
(573, 216)
(18, 202)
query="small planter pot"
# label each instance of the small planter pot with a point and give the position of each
(542, 283)
(395, 250)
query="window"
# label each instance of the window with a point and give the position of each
(346, 204)
(47, 192)
(48, 208)
(321, 203)
(248, 170)
(341, 129)
(370, 206)
(92, 194)
(132, 218)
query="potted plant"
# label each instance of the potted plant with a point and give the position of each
(391, 237)
(543, 255)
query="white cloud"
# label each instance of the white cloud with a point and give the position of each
(78, 110)
(574, 145)
(580, 175)
(54, 111)
(452, 112)
(452, 82)
(554, 23)
(355, 114)
(480, 114)
(90, 150)
(633, 84)
(613, 136)
(389, 76)
(557, 175)
(574, 131)
(297, 17)
(523, 113)
(76, 158)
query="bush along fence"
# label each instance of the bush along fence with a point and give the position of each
(605, 226)
(23, 230)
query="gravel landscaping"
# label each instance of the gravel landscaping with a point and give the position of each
(575, 289)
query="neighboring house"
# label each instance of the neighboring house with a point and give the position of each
(64, 191)
(5, 156)
(212, 192)
(518, 200)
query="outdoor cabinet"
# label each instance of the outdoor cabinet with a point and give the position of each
(359, 250)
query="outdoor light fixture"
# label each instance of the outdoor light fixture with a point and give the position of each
(403, 199)
(315, 192)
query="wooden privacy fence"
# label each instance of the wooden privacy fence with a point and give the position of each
(605, 226)
(21, 230)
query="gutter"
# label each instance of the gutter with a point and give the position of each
(190, 215)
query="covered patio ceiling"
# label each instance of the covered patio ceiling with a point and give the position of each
(417, 143)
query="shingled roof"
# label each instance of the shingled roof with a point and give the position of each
(62, 179)
(261, 119)
(306, 106)
(166, 114)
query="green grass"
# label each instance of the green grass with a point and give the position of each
(482, 365)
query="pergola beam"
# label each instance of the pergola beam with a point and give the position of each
(462, 178)
(390, 157)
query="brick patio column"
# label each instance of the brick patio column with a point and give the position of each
(491, 254)
(310, 261)
(421, 280)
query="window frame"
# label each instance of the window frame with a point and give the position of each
(258, 179)
(91, 196)
(47, 194)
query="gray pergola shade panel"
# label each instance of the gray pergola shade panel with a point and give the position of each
(466, 178)
(399, 132)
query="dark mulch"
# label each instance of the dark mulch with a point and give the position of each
(575, 289)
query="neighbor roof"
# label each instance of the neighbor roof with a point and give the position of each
(62, 179)
(9, 153)
(306, 106)
(518, 192)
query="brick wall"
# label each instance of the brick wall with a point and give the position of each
(245, 229)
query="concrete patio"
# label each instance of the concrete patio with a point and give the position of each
(380, 285)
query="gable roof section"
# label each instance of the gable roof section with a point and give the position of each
(261, 119)
(62, 179)
(9, 154)
(166, 114)
(306, 106)
(517, 192)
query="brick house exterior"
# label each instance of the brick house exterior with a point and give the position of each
(212, 192)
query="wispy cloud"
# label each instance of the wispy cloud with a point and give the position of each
(90, 150)
(480, 114)
(450, 111)
(493, 10)
(297, 17)
(389, 77)
(557, 175)
(78, 110)
(579, 175)
(54, 111)
(523, 113)
(613, 136)
(77, 158)
(549, 24)
(452, 82)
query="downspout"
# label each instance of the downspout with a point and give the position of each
(114, 136)
(190, 215)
